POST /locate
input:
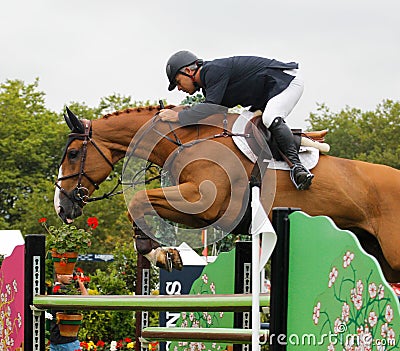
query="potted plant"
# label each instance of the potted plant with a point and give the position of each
(69, 322)
(65, 243)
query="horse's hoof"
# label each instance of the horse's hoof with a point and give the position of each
(176, 259)
(168, 259)
(164, 259)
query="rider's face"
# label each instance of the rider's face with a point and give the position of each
(185, 84)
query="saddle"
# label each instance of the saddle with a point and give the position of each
(260, 137)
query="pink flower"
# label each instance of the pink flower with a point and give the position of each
(347, 258)
(357, 301)
(316, 313)
(372, 289)
(384, 330)
(372, 318)
(360, 287)
(389, 313)
(332, 276)
(381, 291)
(345, 312)
(391, 337)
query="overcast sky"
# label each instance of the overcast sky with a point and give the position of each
(348, 50)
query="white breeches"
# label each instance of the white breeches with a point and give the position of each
(282, 104)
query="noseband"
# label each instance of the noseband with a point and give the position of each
(80, 194)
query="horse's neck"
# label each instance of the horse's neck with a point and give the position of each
(117, 132)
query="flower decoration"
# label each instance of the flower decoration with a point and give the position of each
(92, 222)
(79, 275)
(362, 310)
(115, 345)
(67, 238)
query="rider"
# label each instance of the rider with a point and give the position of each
(261, 83)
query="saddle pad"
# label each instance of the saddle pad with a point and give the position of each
(309, 156)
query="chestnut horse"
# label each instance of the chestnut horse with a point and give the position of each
(212, 178)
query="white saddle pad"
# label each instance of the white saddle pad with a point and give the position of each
(309, 156)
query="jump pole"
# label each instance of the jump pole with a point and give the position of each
(261, 227)
(174, 303)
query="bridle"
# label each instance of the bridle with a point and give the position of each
(81, 194)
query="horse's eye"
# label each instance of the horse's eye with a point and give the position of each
(73, 154)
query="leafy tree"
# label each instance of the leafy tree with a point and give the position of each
(193, 100)
(29, 149)
(370, 136)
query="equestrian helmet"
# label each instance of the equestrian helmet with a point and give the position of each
(177, 61)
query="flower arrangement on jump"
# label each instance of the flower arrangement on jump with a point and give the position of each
(120, 345)
(66, 242)
(69, 238)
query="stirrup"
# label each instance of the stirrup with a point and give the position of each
(305, 184)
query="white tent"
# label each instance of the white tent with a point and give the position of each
(9, 239)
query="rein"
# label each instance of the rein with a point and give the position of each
(81, 194)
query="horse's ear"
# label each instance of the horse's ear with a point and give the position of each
(69, 124)
(76, 124)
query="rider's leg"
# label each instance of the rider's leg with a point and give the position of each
(276, 110)
(284, 138)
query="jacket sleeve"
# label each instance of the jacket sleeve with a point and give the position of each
(200, 111)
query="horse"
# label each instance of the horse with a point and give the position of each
(212, 183)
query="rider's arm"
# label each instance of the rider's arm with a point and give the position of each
(198, 112)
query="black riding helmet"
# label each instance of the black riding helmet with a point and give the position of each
(176, 62)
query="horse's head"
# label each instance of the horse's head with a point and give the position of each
(84, 165)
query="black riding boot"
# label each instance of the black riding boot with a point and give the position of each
(300, 175)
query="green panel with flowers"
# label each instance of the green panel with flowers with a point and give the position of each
(338, 297)
(217, 278)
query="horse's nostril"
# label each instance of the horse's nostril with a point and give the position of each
(61, 214)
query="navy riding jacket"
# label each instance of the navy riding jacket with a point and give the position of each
(239, 80)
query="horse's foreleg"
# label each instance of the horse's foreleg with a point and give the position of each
(182, 204)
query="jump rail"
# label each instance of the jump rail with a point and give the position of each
(172, 303)
(223, 335)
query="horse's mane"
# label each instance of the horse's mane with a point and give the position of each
(135, 110)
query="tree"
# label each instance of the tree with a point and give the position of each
(370, 136)
(29, 135)
(31, 151)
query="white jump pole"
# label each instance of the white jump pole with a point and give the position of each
(260, 227)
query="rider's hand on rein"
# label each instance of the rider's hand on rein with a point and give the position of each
(167, 115)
